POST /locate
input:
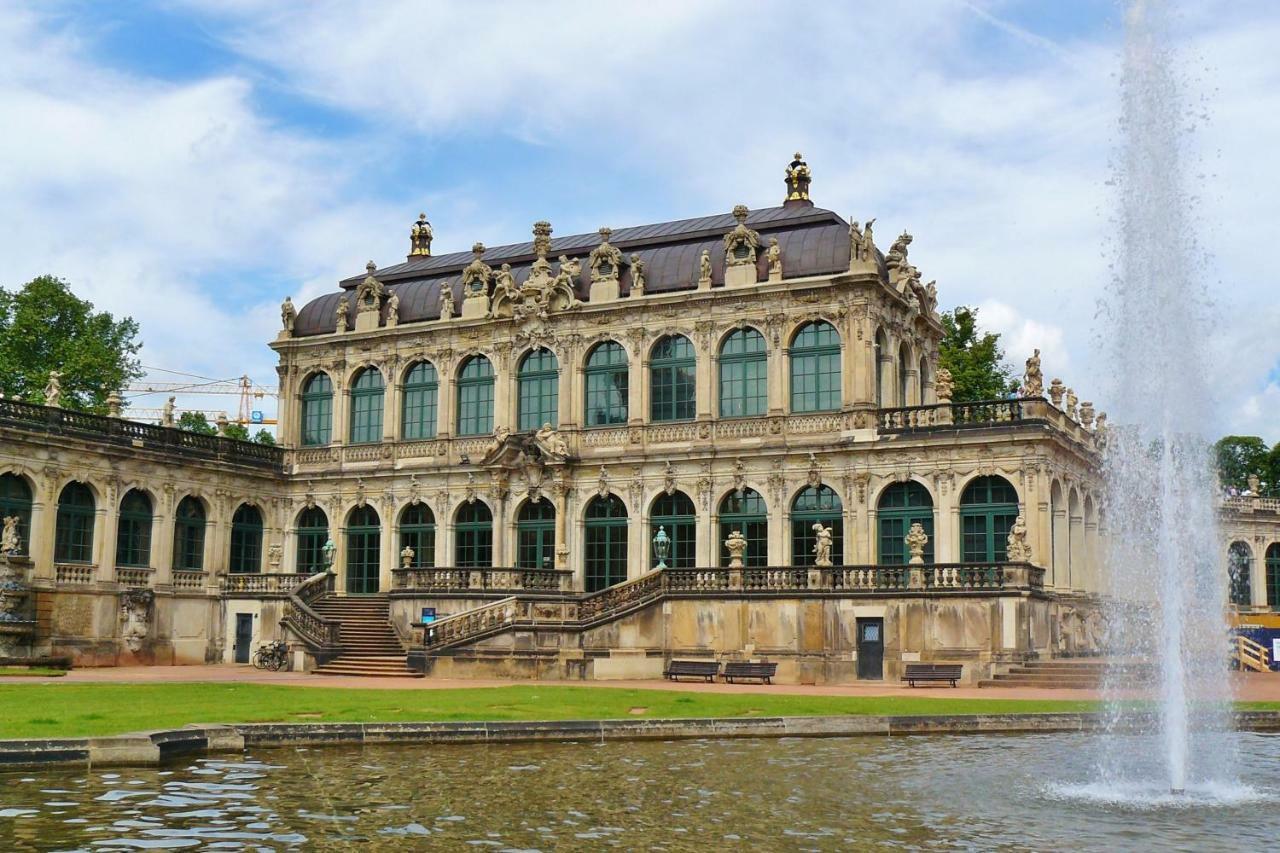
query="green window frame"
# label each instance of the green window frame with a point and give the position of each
(988, 508)
(900, 506)
(313, 532)
(188, 535)
(606, 543)
(317, 411)
(15, 500)
(418, 531)
(133, 533)
(1273, 575)
(421, 402)
(536, 535)
(673, 380)
(473, 548)
(815, 368)
(607, 379)
(367, 397)
(475, 396)
(746, 512)
(364, 546)
(812, 505)
(744, 372)
(538, 390)
(246, 541)
(73, 533)
(676, 515)
(1239, 574)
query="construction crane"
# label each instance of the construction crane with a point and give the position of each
(244, 388)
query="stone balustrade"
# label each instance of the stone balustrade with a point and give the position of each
(1241, 503)
(188, 580)
(134, 577)
(451, 579)
(75, 574)
(263, 585)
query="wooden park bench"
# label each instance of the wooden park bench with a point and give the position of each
(704, 669)
(747, 669)
(932, 673)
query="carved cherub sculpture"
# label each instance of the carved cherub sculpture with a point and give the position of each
(821, 544)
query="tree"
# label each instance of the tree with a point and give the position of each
(265, 437)
(975, 359)
(239, 432)
(196, 422)
(1239, 456)
(45, 327)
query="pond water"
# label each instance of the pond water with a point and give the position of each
(967, 793)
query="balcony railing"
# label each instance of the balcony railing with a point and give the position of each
(54, 421)
(452, 579)
(318, 633)
(953, 415)
(261, 585)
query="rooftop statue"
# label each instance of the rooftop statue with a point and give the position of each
(420, 237)
(393, 309)
(343, 308)
(166, 414)
(288, 314)
(773, 256)
(475, 278)
(741, 243)
(798, 178)
(604, 259)
(1032, 378)
(53, 389)
(943, 385)
(637, 276)
(861, 242)
(446, 300)
(704, 268)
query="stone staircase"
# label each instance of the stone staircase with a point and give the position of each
(370, 646)
(1068, 674)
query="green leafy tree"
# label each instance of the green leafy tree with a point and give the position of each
(974, 357)
(196, 422)
(239, 432)
(1239, 456)
(265, 437)
(45, 327)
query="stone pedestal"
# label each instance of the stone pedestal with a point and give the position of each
(604, 290)
(738, 275)
(367, 321)
(916, 581)
(475, 306)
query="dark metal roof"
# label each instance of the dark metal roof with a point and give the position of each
(813, 242)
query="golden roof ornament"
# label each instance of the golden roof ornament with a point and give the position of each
(798, 177)
(420, 238)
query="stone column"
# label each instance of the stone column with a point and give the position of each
(703, 382)
(444, 542)
(860, 367)
(562, 542)
(946, 527)
(779, 534)
(504, 394)
(391, 402)
(43, 532)
(106, 518)
(389, 550)
(569, 390)
(162, 540)
(446, 402)
(637, 543)
(341, 411)
(776, 372)
(708, 548)
(499, 531)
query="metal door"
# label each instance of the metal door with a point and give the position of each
(870, 649)
(244, 636)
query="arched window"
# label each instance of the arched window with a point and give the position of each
(606, 374)
(246, 540)
(816, 505)
(746, 513)
(474, 539)
(366, 407)
(536, 536)
(133, 535)
(313, 532)
(1239, 569)
(538, 379)
(475, 397)
(815, 368)
(881, 353)
(743, 375)
(672, 384)
(904, 376)
(364, 542)
(317, 410)
(902, 505)
(606, 543)
(674, 513)
(15, 501)
(188, 535)
(1273, 576)
(418, 531)
(421, 394)
(988, 508)
(73, 539)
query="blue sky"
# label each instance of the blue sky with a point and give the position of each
(192, 162)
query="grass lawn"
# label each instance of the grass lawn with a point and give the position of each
(32, 671)
(78, 710)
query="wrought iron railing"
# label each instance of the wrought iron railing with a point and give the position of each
(47, 419)
(502, 579)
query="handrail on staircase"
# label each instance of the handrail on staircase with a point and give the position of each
(317, 632)
(1251, 654)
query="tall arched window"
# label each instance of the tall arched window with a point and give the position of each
(746, 513)
(366, 407)
(1239, 569)
(15, 501)
(881, 353)
(606, 374)
(475, 396)
(474, 536)
(674, 513)
(988, 508)
(418, 531)
(672, 383)
(815, 368)
(1273, 576)
(902, 505)
(317, 410)
(246, 540)
(188, 535)
(421, 393)
(133, 534)
(606, 543)
(313, 532)
(536, 536)
(538, 380)
(904, 376)
(73, 538)
(364, 542)
(744, 367)
(816, 505)
(924, 379)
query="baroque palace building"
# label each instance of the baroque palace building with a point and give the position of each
(580, 457)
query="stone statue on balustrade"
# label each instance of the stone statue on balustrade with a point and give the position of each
(862, 247)
(446, 301)
(1056, 390)
(821, 544)
(1017, 550)
(916, 540)
(736, 545)
(704, 270)
(329, 550)
(342, 311)
(10, 540)
(393, 309)
(1100, 436)
(773, 256)
(1033, 378)
(288, 315)
(53, 390)
(1072, 402)
(943, 388)
(637, 276)
(406, 557)
(166, 414)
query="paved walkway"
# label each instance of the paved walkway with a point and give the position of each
(1251, 687)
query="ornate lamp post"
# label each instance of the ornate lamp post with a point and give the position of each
(661, 547)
